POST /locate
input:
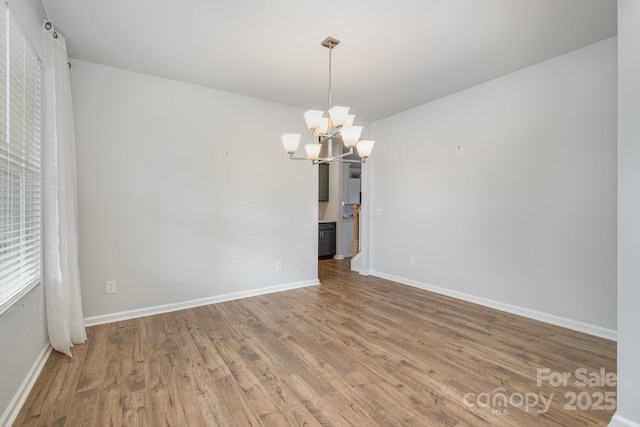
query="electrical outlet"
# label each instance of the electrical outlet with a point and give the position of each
(278, 265)
(412, 261)
(111, 287)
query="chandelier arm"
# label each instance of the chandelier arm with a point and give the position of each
(342, 155)
(327, 161)
(326, 138)
(296, 158)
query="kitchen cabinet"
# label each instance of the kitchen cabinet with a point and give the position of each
(326, 240)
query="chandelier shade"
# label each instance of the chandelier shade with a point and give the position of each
(313, 118)
(349, 120)
(338, 115)
(323, 128)
(313, 151)
(365, 146)
(350, 135)
(291, 142)
(337, 124)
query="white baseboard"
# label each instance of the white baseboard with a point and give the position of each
(576, 325)
(159, 309)
(356, 265)
(618, 421)
(12, 411)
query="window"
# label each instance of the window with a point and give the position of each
(20, 200)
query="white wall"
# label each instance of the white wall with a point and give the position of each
(507, 190)
(23, 333)
(186, 192)
(628, 213)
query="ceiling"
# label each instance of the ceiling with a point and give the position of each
(393, 56)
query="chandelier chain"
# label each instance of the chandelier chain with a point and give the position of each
(330, 49)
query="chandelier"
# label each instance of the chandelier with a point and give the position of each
(338, 123)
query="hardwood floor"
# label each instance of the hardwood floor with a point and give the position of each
(356, 351)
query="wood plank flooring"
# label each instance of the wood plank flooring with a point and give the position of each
(355, 350)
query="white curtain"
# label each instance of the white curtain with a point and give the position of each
(60, 204)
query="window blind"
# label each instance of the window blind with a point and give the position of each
(20, 176)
